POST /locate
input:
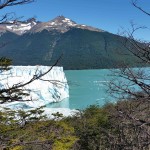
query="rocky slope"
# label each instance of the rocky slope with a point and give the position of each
(60, 23)
(18, 27)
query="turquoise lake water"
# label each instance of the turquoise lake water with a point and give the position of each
(86, 87)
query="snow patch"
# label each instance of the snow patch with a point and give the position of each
(71, 24)
(67, 19)
(20, 27)
(64, 21)
(52, 23)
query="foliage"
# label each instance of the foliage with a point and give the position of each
(114, 126)
(121, 126)
(57, 115)
(78, 46)
(133, 124)
(5, 64)
(90, 129)
(88, 126)
(21, 132)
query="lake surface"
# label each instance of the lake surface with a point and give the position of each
(86, 87)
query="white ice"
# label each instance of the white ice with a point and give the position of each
(54, 89)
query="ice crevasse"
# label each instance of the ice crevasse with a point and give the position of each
(52, 87)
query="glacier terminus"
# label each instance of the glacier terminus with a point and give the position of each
(52, 87)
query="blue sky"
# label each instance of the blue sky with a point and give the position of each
(109, 15)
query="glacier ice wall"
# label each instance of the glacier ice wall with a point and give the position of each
(41, 92)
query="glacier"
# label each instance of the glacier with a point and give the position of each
(51, 88)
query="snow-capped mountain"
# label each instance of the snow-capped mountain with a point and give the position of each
(60, 24)
(18, 27)
(82, 46)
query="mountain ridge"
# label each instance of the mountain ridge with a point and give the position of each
(82, 48)
(60, 23)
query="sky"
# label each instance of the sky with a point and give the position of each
(109, 15)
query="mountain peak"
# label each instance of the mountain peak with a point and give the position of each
(61, 17)
(60, 23)
(61, 20)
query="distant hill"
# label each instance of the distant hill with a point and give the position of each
(42, 43)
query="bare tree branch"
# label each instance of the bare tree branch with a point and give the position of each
(5, 3)
(7, 94)
(134, 2)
